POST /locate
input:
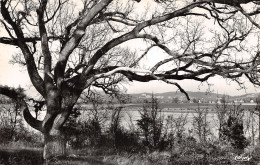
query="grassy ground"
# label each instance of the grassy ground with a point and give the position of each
(20, 156)
(12, 156)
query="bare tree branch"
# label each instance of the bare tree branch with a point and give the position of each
(31, 67)
(73, 42)
(19, 98)
(44, 43)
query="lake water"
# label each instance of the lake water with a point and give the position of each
(130, 114)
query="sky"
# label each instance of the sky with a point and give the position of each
(14, 76)
(219, 86)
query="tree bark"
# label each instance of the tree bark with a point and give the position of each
(258, 127)
(54, 144)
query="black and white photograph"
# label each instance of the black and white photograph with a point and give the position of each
(129, 82)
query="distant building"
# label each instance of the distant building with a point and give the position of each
(145, 96)
(212, 102)
(159, 97)
(219, 100)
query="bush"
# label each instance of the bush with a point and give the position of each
(233, 131)
(12, 128)
(82, 133)
(151, 125)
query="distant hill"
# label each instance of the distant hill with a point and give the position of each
(195, 95)
(179, 94)
(249, 95)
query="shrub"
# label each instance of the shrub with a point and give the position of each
(82, 133)
(174, 129)
(151, 124)
(233, 131)
(12, 128)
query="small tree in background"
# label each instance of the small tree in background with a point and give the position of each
(97, 116)
(151, 124)
(222, 114)
(201, 125)
(257, 110)
(176, 100)
(11, 123)
(87, 132)
(115, 128)
(250, 125)
(233, 128)
(121, 138)
(72, 126)
(233, 131)
(174, 129)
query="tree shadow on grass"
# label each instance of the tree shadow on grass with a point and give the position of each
(20, 156)
(34, 157)
(79, 161)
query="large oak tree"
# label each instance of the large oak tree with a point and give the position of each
(68, 46)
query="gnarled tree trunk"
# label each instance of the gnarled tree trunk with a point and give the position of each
(54, 136)
(59, 106)
(54, 144)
